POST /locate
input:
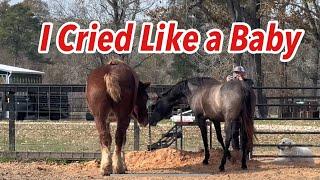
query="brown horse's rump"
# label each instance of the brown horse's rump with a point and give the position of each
(115, 88)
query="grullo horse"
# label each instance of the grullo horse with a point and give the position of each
(219, 102)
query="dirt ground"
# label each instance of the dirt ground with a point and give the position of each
(161, 164)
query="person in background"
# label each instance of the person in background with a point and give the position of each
(239, 73)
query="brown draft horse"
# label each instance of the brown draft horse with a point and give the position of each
(115, 88)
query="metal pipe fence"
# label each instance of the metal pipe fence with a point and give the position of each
(53, 121)
(290, 107)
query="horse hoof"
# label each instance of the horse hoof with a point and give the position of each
(229, 155)
(106, 170)
(221, 168)
(119, 171)
(104, 173)
(230, 158)
(205, 162)
(244, 167)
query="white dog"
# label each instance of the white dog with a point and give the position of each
(286, 149)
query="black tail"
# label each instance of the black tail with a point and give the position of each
(247, 114)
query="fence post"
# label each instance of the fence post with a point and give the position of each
(136, 132)
(12, 125)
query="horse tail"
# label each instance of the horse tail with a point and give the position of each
(247, 116)
(113, 87)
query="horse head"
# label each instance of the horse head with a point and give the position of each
(140, 111)
(161, 109)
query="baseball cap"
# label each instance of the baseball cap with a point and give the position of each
(239, 69)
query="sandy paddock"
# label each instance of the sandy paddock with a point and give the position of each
(161, 164)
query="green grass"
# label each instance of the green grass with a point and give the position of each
(81, 136)
(315, 123)
(47, 160)
(6, 159)
(67, 136)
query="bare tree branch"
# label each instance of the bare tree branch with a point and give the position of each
(301, 7)
(142, 61)
(311, 20)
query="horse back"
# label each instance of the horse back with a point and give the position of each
(222, 101)
(205, 101)
(97, 90)
(211, 102)
(233, 94)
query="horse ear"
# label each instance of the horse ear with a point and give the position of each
(146, 84)
(192, 87)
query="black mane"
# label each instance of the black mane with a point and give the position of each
(181, 89)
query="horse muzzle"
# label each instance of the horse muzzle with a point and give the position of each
(144, 123)
(153, 123)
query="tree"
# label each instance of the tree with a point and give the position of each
(249, 13)
(20, 31)
(308, 12)
(303, 14)
(182, 67)
(38, 7)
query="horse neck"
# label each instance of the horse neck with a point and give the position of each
(181, 92)
(196, 93)
(178, 93)
(174, 99)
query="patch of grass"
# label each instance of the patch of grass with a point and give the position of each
(82, 136)
(166, 122)
(315, 123)
(7, 159)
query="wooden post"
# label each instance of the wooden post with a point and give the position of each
(136, 129)
(12, 117)
(176, 136)
(150, 138)
(181, 138)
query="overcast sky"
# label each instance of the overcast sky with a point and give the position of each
(15, 1)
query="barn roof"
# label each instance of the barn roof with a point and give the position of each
(13, 69)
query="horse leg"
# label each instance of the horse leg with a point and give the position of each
(235, 135)
(103, 128)
(217, 126)
(123, 154)
(244, 141)
(203, 128)
(122, 126)
(227, 130)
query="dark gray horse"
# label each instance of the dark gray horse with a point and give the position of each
(219, 102)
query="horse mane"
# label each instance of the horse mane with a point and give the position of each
(181, 89)
(116, 62)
